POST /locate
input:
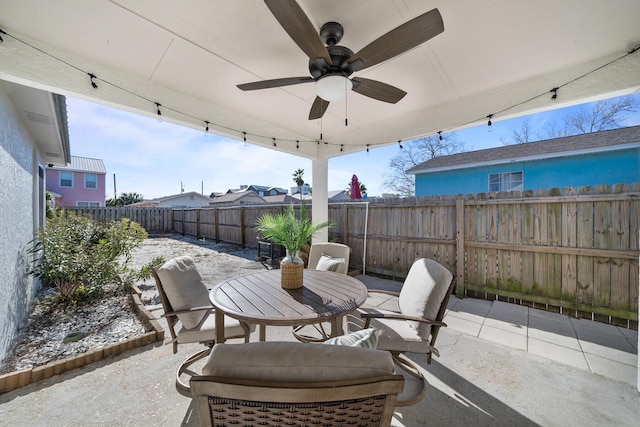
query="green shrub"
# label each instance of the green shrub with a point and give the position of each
(80, 256)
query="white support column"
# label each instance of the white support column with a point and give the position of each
(320, 208)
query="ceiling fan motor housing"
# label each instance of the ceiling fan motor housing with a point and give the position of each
(339, 57)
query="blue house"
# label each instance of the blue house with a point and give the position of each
(607, 157)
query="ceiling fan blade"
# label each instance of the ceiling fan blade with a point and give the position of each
(266, 84)
(318, 108)
(399, 40)
(377, 90)
(296, 23)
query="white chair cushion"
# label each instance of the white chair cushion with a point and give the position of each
(328, 263)
(423, 291)
(184, 288)
(365, 338)
(206, 330)
(335, 250)
(296, 362)
(395, 335)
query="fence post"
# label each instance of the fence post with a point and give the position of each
(242, 232)
(460, 248)
(197, 223)
(217, 222)
(345, 224)
(183, 222)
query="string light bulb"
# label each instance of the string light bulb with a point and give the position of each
(244, 136)
(489, 117)
(206, 127)
(91, 77)
(274, 142)
(400, 144)
(440, 135)
(367, 148)
(341, 145)
(555, 93)
(158, 105)
(297, 144)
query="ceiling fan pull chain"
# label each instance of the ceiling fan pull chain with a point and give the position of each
(346, 110)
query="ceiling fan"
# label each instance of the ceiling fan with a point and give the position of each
(330, 66)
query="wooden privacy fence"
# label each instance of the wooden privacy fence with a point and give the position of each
(154, 220)
(570, 249)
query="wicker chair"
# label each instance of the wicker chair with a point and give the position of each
(336, 251)
(290, 383)
(189, 314)
(410, 320)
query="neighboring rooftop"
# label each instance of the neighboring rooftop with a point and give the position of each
(84, 164)
(577, 144)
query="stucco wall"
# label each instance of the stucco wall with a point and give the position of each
(613, 167)
(16, 222)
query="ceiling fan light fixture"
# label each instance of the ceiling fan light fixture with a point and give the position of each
(333, 87)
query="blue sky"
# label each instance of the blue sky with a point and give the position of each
(154, 158)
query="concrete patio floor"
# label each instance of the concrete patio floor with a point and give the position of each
(499, 365)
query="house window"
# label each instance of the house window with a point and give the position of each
(507, 181)
(66, 179)
(90, 180)
(88, 204)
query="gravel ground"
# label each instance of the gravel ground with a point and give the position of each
(111, 319)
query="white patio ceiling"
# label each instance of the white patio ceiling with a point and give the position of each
(494, 57)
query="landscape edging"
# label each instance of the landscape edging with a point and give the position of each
(18, 379)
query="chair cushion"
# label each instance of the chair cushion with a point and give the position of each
(396, 335)
(296, 362)
(423, 291)
(184, 288)
(328, 263)
(206, 330)
(335, 250)
(366, 338)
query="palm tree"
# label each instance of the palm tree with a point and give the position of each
(297, 177)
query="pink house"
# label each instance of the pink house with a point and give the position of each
(81, 183)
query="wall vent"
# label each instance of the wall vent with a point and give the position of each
(38, 118)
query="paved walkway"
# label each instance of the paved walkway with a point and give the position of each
(595, 347)
(499, 365)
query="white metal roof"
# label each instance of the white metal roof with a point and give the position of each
(84, 164)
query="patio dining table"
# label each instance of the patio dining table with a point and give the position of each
(258, 298)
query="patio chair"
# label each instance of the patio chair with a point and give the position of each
(291, 383)
(323, 256)
(409, 321)
(189, 314)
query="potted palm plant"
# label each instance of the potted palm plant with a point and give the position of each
(291, 232)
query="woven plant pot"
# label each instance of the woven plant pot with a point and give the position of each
(291, 275)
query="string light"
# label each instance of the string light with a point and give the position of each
(206, 128)
(400, 144)
(93, 84)
(554, 91)
(297, 144)
(341, 145)
(274, 142)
